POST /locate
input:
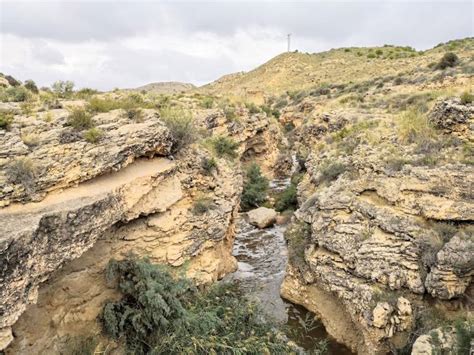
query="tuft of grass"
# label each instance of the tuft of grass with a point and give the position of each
(24, 172)
(80, 119)
(201, 205)
(413, 126)
(467, 98)
(93, 135)
(31, 140)
(6, 120)
(208, 165)
(181, 126)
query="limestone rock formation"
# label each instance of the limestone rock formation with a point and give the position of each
(58, 156)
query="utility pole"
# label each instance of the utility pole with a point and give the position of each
(289, 40)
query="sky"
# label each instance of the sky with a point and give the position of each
(125, 44)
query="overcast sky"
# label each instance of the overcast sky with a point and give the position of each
(107, 44)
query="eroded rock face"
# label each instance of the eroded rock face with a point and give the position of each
(60, 157)
(144, 206)
(451, 114)
(380, 237)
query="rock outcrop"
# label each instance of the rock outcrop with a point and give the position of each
(54, 156)
(99, 201)
(380, 238)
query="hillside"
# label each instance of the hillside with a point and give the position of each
(303, 71)
(168, 87)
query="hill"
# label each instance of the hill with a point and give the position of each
(303, 71)
(166, 87)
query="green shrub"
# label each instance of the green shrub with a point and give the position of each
(287, 200)
(225, 146)
(255, 188)
(464, 336)
(449, 60)
(63, 89)
(181, 126)
(330, 171)
(371, 55)
(93, 135)
(207, 102)
(229, 112)
(15, 94)
(6, 120)
(253, 109)
(30, 85)
(107, 104)
(467, 98)
(86, 93)
(23, 171)
(379, 52)
(159, 314)
(208, 165)
(80, 119)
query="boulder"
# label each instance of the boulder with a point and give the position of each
(262, 217)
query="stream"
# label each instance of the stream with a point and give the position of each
(262, 258)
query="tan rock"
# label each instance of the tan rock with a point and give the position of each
(262, 217)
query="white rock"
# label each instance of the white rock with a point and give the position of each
(262, 217)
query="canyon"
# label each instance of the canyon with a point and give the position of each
(378, 154)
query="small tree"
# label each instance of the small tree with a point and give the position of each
(449, 60)
(31, 85)
(255, 188)
(63, 89)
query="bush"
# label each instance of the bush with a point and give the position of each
(12, 81)
(449, 60)
(201, 205)
(80, 119)
(134, 114)
(86, 93)
(253, 109)
(22, 171)
(225, 146)
(15, 94)
(229, 112)
(63, 89)
(181, 126)
(93, 135)
(30, 85)
(255, 188)
(207, 102)
(287, 200)
(162, 315)
(208, 165)
(6, 120)
(330, 171)
(467, 98)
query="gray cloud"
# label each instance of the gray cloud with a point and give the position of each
(108, 43)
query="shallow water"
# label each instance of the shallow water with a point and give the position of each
(262, 256)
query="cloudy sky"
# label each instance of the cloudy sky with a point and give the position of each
(107, 44)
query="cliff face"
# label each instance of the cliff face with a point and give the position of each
(387, 232)
(115, 199)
